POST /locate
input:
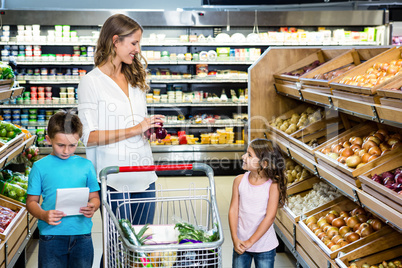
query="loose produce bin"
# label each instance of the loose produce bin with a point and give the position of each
(322, 75)
(364, 255)
(345, 205)
(316, 134)
(333, 146)
(389, 113)
(15, 206)
(6, 148)
(295, 119)
(380, 191)
(310, 59)
(392, 89)
(392, 54)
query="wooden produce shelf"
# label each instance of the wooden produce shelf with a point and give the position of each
(389, 114)
(289, 240)
(354, 107)
(363, 98)
(315, 56)
(365, 254)
(10, 93)
(393, 53)
(17, 207)
(16, 151)
(306, 160)
(386, 90)
(388, 214)
(289, 90)
(312, 249)
(316, 96)
(302, 186)
(10, 247)
(349, 57)
(382, 193)
(11, 145)
(321, 131)
(345, 205)
(360, 131)
(337, 179)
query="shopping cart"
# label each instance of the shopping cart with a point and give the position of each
(195, 206)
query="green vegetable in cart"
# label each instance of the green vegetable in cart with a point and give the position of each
(5, 71)
(3, 132)
(135, 239)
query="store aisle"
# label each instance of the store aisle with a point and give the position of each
(223, 189)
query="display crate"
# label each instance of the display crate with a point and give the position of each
(302, 186)
(312, 249)
(348, 58)
(367, 99)
(389, 113)
(286, 215)
(382, 193)
(288, 238)
(298, 110)
(353, 57)
(397, 103)
(387, 92)
(393, 53)
(345, 205)
(296, 218)
(17, 149)
(365, 254)
(317, 95)
(321, 131)
(11, 145)
(360, 130)
(16, 207)
(10, 246)
(316, 56)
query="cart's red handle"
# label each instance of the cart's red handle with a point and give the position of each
(155, 168)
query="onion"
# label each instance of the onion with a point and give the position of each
(376, 224)
(362, 217)
(368, 144)
(311, 219)
(338, 222)
(352, 237)
(353, 161)
(387, 174)
(344, 230)
(366, 231)
(330, 217)
(398, 178)
(358, 210)
(352, 221)
(392, 141)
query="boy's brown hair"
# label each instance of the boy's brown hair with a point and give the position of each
(66, 122)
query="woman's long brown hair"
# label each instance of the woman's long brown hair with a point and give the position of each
(272, 164)
(122, 26)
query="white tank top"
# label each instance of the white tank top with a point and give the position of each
(253, 202)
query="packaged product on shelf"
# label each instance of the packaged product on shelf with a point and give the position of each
(201, 70)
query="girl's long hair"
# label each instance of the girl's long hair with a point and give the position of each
(122, 26)
(272, 165)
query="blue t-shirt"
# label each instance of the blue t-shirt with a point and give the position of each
(51, 173)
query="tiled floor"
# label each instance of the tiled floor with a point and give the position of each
(223, 193)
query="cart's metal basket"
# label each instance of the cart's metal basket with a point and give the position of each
(196, 206)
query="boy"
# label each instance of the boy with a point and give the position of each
(63, 241)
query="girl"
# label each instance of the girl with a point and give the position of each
(255, 199)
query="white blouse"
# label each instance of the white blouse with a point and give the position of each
(102, 105)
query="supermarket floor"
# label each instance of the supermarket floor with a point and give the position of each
(223, 189)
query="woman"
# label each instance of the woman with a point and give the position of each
(112, 108)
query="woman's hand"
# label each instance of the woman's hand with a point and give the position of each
(150, 122)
